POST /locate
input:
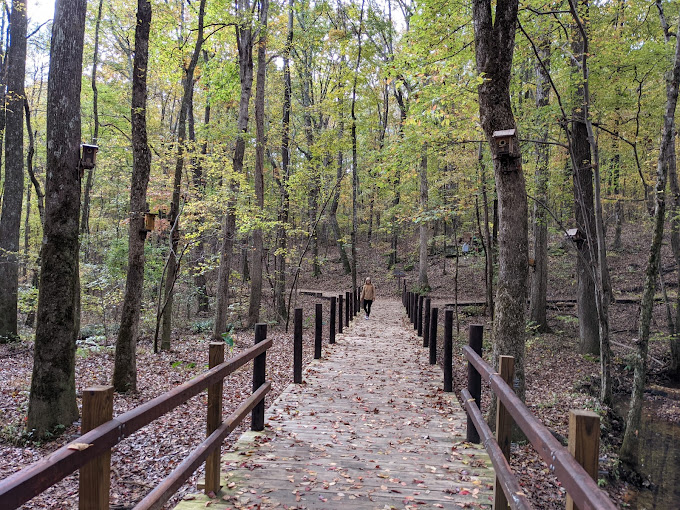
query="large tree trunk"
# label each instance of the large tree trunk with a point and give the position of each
(173, 263)
(630, 448)
(125, 368)
(53, 394)
(584, 212)
(13, 195)
(422, 264)
(244, 41)
(539, 281)
(256, 272)
(494, 43)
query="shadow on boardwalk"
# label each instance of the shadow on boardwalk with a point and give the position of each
(369, 428)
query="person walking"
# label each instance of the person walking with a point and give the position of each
(367, 296)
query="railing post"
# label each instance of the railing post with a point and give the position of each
(348, 308)
(426, 323)
(448, 350)
(297, 347)
(331, 327)
(476, 335)
(357, 302)
(340, 319)
(584, 443)
(421, 298)
(408, 304)
(434, 317)
(214, 419)
(259, 376)
(506, 369)
(416, 299)
(318, 330)
(95, 476)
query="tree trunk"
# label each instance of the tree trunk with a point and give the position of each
(244, 41)
(630, 448)
(125, 368)
(53, 394)
(586, 259)
(173, 264)
(13, 195)
(488, 242)
(539, 281)
(256, 273)
(355, 161)
(282, 180)
(422, 265)
(85, 216)
(494, 43)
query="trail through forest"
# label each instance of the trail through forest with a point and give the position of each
(369, 427)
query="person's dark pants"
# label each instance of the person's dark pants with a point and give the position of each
(367, 306)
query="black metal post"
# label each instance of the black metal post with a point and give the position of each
(318, 330)
(297, 347)
(331, 327)
(348, 307)
(426, 323)
(433, 335)
(448, 350)
(259, 374)
(475, 338)
(340, 313)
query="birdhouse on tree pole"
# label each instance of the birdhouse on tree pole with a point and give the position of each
(88, 156)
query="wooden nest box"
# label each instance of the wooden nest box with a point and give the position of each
(507, 149)
(149, 221)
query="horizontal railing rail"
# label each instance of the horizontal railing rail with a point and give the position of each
(34, 479)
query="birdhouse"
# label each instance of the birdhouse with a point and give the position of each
(149, 221)
(88, 156)
(576, 235)
(532, 264)
(506, 143)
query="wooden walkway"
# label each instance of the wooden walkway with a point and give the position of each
(369, 428)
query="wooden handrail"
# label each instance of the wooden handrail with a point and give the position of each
(516, 497)
(34, 479)
(164, 491)
(580, 486)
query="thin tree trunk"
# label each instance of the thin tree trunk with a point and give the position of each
(85, 216)
(489, 251)
(539, 282)
(256, 273)
(173, 263)
(125, 368)
(13, 195)
(244, 42)
(629, 453)
(52, 399)
(422, 265)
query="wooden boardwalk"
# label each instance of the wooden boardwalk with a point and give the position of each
(369, 428)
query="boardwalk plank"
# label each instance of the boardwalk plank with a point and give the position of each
(370, 428)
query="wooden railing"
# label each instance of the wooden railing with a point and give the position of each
(575, 467)
(91, 452)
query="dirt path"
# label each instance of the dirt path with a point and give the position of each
(370, 428)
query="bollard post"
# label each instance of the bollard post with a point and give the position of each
(426, 323)
(416, 298)
(357, 300)
(348, 308)
(434, 316)
(476, 335)
(408, 304)
(584, 443)
(318, 330)
(259, 376)
(340, 319)
(214, 419)
(297, 347)
(448, 351)
(95, 476)
(506, 369)
(331, 327)
(421, 299)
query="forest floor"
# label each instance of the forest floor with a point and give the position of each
(558, 377)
